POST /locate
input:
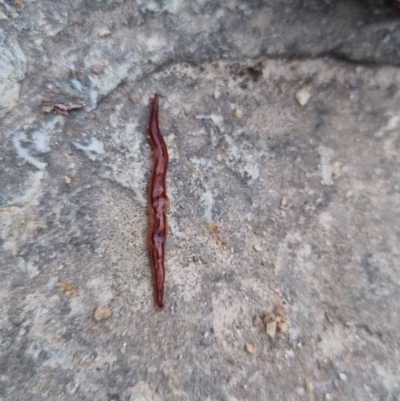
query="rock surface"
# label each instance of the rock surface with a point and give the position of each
(12, 71)
(315, 187)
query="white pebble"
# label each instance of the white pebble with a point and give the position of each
(328, 397)
(258, 248)
(342, 377)
(104, 32)
(302, 97)
(217, 93)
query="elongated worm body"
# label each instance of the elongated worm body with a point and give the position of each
(158, 205)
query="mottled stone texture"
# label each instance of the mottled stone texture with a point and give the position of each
(275, 206)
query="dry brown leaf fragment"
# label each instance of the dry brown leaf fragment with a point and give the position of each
(60, 102)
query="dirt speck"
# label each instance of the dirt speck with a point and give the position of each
(68, 288)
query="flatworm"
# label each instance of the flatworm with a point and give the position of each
(158, 205)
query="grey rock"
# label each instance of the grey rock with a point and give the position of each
(320, 184)
(12, 71)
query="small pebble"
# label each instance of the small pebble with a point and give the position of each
(309, 387)
(68, 180)
(302, 97)
(217, 93)
(249, 348)
(282, 327)
(102, 312)
(258, 248)
(271, 329)
(328, 397)
(104, 32)
(300, 391)
(342, 377)
(238, 113)
(97, 68)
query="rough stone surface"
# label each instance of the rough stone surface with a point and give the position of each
(317, 188)
(12, 71)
